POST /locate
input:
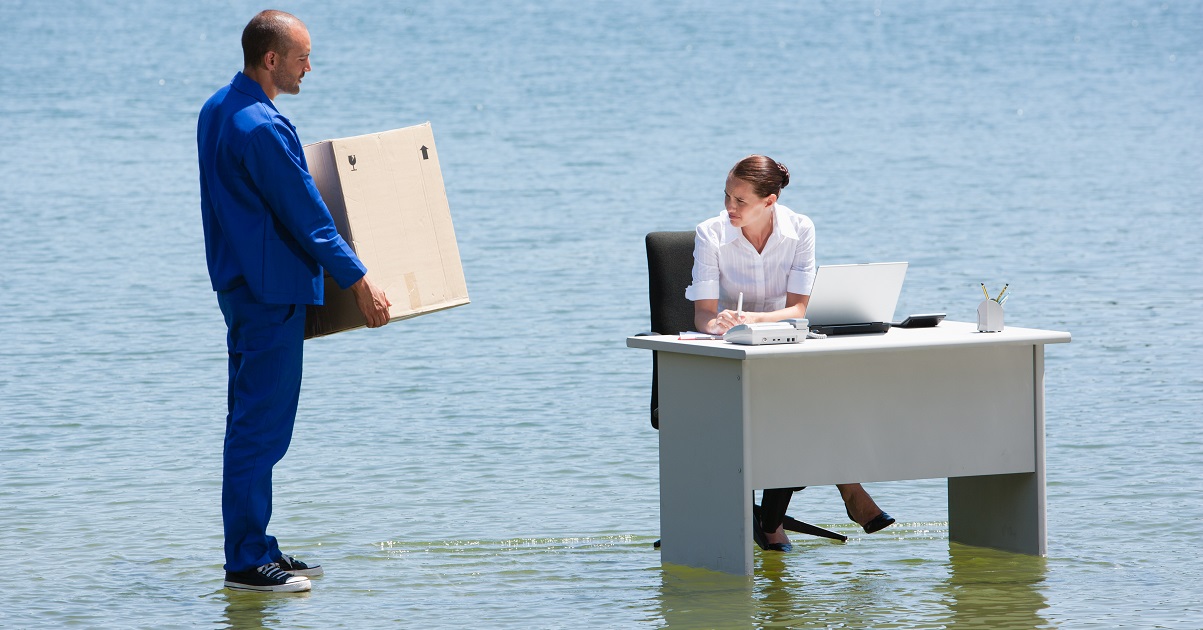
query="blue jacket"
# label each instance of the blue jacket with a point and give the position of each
(266, 226)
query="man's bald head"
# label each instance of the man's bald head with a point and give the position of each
(269, 31)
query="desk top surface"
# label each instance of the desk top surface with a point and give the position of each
(945, 335)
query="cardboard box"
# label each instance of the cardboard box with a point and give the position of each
(385, 191)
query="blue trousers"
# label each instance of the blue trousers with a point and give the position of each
(265, 343)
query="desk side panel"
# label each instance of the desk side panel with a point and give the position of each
(1005, 511)
(924, 413)
(705, 502)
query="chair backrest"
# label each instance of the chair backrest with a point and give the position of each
(670, 271)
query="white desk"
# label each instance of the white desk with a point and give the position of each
(909, 404)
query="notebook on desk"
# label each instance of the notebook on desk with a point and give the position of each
(855, 299)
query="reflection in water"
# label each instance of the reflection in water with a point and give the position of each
(778, 599)
(995, 589)
(906, 581)
(697, 598)
(250, 610)
(811, 590)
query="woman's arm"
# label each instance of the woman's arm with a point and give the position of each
(707, 319)
(795, 308)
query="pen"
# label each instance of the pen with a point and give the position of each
(1000, 293)
(739, 309)
(984, 291)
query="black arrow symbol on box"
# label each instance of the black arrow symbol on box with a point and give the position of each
(425, 155)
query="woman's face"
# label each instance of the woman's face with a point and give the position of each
(744, 207)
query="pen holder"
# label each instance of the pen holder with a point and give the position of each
(989, 316)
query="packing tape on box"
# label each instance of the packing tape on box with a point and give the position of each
(415, 296)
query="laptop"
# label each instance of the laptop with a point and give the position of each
(855, 299)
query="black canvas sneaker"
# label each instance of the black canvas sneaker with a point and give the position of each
(268, 577)
(289, 564)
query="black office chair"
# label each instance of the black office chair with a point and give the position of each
(670, 271)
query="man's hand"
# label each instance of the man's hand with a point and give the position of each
(372, 302)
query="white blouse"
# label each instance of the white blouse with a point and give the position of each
(725, 263)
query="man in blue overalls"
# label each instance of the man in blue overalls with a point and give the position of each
(268, 236)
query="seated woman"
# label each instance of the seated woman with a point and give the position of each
(765, 251)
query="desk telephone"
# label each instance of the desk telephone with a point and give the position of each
(766, 333)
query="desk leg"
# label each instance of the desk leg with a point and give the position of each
(1005, 512)
(998, 511)
(705, 502)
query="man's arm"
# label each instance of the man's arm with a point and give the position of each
(276, 167)
(278, 171)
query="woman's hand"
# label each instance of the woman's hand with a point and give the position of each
(707, 320)
(726, 320)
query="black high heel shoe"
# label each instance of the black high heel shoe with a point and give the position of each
(878, 523)
(762, 539)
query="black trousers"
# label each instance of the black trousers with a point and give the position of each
(773, 504)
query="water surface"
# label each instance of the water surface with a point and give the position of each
(456, 469)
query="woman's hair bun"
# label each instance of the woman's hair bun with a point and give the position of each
(766, 175)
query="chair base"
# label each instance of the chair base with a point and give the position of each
(794, 525)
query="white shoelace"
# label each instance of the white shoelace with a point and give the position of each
(273, 571)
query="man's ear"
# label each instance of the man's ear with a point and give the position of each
(270, 59)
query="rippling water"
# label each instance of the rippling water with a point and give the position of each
(456, 469)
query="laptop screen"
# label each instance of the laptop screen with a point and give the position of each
(855, 294)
